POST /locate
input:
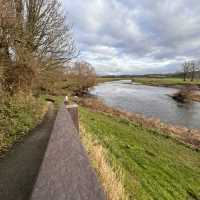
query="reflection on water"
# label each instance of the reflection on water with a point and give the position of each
(150, 101)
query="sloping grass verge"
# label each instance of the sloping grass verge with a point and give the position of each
(18, 115)
(110, 177)
(154, 166)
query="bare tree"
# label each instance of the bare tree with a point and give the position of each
(40, 40)
(193, 70)
(185, 70)
(48, 36)
(7, 21)
(80, 77)
(198, 70)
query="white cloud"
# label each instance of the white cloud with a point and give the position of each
(136, 36)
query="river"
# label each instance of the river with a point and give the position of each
(150, 101)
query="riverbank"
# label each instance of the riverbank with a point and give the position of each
(166, 82)
(177, 83)
(189, 137)
(153, 165)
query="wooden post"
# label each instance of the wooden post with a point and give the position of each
(73, 111)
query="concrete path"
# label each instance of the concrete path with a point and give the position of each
(66, 173)
(19, 168)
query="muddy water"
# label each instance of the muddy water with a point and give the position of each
(150, 101)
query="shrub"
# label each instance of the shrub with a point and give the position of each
(18, 114)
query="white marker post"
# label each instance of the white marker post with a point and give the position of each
(66, 100)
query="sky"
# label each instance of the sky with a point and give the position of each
(135, 36)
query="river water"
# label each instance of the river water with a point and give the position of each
(150, 101)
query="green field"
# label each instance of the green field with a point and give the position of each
(155, 166)
(165, 81)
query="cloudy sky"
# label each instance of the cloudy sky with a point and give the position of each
(136, 36)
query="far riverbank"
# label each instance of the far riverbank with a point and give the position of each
(167, 82)
(177, 83)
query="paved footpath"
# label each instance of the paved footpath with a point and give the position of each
(50, 164)
(66, 173)
(19, 168)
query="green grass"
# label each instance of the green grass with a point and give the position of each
(165, 81)
(155, 167)
(18, 115)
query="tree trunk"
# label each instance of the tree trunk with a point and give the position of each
(192, 75)
(5, 60)
(184, 76)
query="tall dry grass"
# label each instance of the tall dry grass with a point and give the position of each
(110, 177)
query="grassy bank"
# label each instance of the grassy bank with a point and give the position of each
(18, 115)
(165, 81)
(111, 177)
(154, 166)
